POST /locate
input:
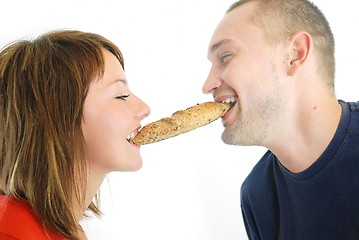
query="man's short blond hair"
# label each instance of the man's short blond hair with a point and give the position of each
(280, 19)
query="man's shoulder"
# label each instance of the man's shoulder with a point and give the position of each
(351, 112)
(261, 175)
(354, 106)
(350, 106)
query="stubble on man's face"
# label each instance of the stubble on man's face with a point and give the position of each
(256, 125)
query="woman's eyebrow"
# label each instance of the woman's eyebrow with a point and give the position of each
(121, 80)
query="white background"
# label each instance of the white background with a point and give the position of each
(189, 186)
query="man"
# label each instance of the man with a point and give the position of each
(274, 60)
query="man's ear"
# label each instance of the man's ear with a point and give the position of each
(300, 48)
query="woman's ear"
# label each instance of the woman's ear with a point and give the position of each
(300, 48)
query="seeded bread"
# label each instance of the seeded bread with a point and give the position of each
(180, 122)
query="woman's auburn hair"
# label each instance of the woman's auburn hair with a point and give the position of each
(43, 86)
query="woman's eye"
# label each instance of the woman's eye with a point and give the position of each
(123, 97)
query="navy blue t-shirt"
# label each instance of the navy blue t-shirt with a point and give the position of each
(320, 203)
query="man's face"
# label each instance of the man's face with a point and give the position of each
(245, 69)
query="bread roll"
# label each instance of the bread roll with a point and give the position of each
(180, 122)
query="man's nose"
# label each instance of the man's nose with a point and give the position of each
(212, 83)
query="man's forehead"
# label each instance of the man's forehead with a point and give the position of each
(239, 15)
(220, 35)
(218, 44)
(231, 24)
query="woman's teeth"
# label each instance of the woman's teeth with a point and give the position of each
(130, 136)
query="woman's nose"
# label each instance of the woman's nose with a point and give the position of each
(143, 109)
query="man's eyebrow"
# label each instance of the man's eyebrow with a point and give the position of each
(215, 46)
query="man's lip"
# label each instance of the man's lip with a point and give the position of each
(224, 97)
(229, 113)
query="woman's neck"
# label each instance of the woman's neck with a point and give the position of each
(93, 184)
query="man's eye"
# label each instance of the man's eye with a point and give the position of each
(123, 97)
(225, 56)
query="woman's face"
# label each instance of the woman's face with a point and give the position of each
(112, 113)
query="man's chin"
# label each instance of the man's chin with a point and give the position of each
(228, 138)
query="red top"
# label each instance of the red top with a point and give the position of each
(18, 221)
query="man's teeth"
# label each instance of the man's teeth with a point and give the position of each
(231, 100)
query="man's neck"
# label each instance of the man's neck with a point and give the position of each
(307, 133)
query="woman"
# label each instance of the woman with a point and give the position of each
(66, 112)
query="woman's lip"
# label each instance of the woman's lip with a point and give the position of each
(132, 134)
(132, 143)
(135, 145)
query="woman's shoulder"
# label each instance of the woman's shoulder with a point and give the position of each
(18, 221)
